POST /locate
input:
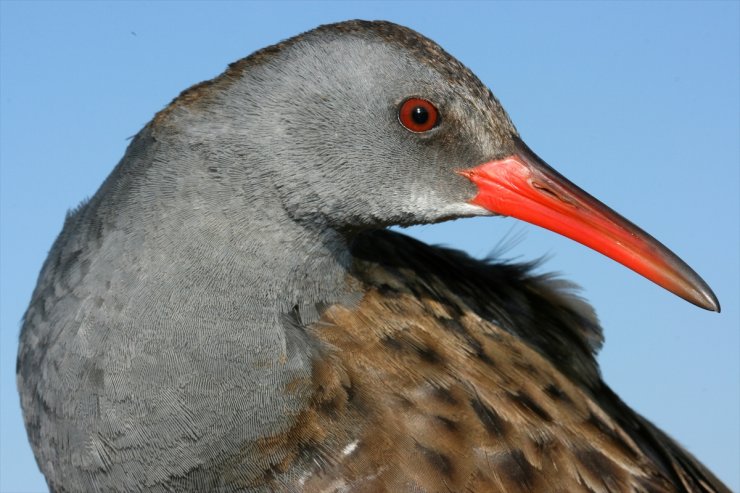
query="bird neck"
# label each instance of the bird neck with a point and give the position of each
(217, 217)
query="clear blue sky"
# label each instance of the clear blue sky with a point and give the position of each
(636, 102)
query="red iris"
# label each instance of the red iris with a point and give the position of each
(418, 115)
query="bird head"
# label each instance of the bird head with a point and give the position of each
(361, 125)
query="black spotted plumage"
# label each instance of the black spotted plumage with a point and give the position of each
(612, 448)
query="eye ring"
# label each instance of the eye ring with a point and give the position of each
(418, 115)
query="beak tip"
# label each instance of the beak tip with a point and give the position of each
(711, 302)
(704, 297)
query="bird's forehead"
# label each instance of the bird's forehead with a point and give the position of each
(391, 43)
(403, 39)
(385, 65)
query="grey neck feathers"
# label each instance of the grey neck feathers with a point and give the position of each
(180, 278)
(217, 219)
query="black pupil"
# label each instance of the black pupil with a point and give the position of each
(420, 115)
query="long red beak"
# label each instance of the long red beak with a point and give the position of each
(524, 186)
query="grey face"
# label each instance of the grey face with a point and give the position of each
(326, 129)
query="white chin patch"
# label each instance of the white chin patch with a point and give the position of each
(463, 209)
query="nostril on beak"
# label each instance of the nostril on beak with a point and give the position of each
(545, 189)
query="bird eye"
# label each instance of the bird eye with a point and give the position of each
(418, 115)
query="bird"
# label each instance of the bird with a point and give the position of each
(230, 311)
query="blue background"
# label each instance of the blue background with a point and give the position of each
(635, 102)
